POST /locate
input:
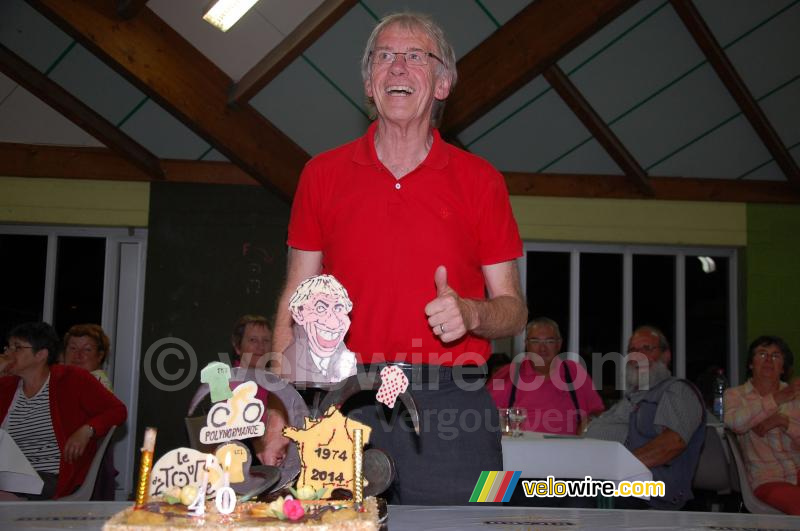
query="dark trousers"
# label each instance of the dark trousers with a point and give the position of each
(48, 489)
(459, 439)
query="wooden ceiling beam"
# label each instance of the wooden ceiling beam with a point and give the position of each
(664, 188)
(161, 63)
(719, 60)
(77, 112)
(289, 49)
(25, 160)
(520, 50)
(597, 127)
(128, 9)
(59, 162)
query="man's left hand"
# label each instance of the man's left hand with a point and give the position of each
(449, 316)
(76, 444)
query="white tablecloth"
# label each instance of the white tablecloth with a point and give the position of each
(40, 516)
(538, 456)
(16, 473)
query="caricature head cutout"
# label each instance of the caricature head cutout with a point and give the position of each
(319, 307)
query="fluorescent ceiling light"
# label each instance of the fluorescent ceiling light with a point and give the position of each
(225, 13)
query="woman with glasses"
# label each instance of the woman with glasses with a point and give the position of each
(765, 413)
(54, 413)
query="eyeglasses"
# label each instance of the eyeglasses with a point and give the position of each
(549, 341)
(773, 356)
(412, 58)
(644, 349)
(13, 349)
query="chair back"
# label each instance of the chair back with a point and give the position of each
(713, 467)
(84, 492)
(753, 504)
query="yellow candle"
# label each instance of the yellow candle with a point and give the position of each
(358, 467)
(145, 466)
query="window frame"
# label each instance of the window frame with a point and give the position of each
(122, 315)
(628, 251)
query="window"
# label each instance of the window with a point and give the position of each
(22, 270)
(599, 293)
(70, 275)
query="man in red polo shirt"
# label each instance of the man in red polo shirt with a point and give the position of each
(422, 236)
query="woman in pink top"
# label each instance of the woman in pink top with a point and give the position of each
(765, 412)
(542, 383)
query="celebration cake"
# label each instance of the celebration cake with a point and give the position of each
(187, 488)
(321, 515)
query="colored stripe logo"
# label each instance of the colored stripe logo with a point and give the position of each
(495, 486)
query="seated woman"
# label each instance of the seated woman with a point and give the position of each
(86, 346)
(54, 413)
(252, 342)
(765, 412)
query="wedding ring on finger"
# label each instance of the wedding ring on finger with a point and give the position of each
(441, 327)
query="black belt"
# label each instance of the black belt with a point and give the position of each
(432, 373)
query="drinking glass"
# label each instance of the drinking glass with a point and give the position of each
(505, 421)
(516, 416)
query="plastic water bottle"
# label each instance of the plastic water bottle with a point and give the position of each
(720, 384)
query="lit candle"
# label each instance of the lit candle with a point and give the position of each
(226, 474)
(358, 467)
(198, 506)
(226, 498)
(145, 466)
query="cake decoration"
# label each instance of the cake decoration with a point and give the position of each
(394, 382)
(318, 355)
(217, 375)
(358, 467)
(185, 466)
(238, 417)
(145, 465)
(326, 450)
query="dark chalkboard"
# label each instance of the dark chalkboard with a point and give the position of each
(213, 253)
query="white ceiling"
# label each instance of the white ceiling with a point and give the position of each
(643, 74)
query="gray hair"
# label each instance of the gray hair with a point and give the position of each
(543, 321)
(663, 344)
(444, 51)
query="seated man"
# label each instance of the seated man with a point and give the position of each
(557, 395)
(660, 419)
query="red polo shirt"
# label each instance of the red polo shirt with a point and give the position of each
(383, 239)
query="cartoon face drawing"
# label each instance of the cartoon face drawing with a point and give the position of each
(325, 320)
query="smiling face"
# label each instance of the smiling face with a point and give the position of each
(256, 342)
(324, 318)
(82, 352)
(403, 93)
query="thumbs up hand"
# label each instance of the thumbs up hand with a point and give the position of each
(448, 314)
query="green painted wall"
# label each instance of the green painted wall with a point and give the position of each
(74, 202)
(568, 219)
(772, 265)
